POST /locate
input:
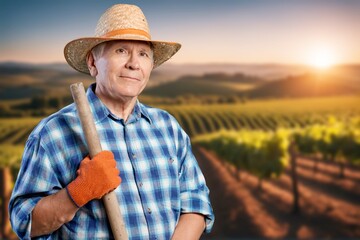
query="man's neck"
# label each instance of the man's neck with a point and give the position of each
(122, 108)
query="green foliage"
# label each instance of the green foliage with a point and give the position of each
(264, 154)
(336, 140)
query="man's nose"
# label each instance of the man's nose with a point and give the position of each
(132, 62)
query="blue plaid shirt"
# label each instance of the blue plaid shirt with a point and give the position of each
(160, 176)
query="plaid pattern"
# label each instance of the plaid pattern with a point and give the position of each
(161, 178)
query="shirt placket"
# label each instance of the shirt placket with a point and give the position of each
(135, 153)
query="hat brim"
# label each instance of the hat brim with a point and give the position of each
(76, 51)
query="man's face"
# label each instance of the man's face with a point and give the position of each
(123, 69)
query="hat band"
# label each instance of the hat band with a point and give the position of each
(127, 31)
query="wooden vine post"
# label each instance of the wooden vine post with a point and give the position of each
(294, 178)
(5, 192)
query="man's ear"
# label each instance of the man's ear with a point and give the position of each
(91, 64)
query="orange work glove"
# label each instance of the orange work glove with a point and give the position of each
(96, 177)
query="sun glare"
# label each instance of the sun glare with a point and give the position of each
(321, 58)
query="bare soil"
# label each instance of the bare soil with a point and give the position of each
(329, 204)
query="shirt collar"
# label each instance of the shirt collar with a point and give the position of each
(100, 111)
(143, 111)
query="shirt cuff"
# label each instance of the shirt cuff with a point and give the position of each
(196, 203)
(21, 219)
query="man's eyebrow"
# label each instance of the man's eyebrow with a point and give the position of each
(145, 48)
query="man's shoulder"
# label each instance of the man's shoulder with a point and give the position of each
(58, 120)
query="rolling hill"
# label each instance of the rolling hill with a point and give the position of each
(208, 84)
(23, 81)
(312, 84)
(307, 85)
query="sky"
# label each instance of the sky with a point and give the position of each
(227, 31)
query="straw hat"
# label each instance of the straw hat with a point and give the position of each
(119, 22)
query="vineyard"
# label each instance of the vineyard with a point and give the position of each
(13, 134)
(329, 205)
(258, 141)
(263, 115)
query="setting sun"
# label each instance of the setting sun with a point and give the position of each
(321, 58)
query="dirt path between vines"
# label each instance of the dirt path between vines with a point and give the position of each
(330, 206)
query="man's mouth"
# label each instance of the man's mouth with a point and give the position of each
(130, 78)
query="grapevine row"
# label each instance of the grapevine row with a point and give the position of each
(265, 153)
(198, 120)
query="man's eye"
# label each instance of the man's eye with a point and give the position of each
(144, 54)
(120, 50)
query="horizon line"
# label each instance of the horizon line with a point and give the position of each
(190, 63)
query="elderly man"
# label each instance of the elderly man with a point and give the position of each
(148, 158)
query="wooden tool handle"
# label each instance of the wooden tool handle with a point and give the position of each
(94, 146)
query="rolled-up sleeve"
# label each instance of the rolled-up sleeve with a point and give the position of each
(194, 194)
(34, 181)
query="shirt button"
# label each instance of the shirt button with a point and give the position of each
(141, 184)
(149, 210)
(171, 160)
(134, 155)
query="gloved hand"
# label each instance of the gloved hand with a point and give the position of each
(96, 177)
